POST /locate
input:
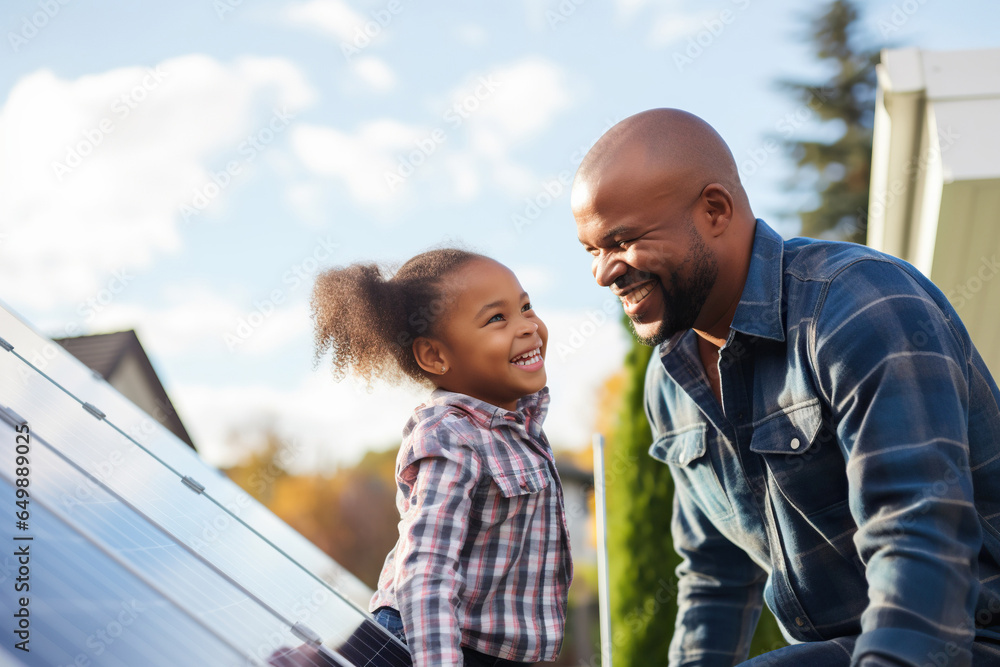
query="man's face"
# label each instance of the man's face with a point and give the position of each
(649, 252)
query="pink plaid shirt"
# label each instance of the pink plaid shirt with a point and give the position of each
(483, 557)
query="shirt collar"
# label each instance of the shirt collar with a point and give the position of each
(530, 409)
(759, 312)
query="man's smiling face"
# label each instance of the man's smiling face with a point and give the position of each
(648, 251)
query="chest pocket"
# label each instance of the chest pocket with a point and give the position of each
(802, 457)
(686, 452)
(508, 496)
(520, 482)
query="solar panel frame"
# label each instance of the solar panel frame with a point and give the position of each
(89, 388)
(157, 478)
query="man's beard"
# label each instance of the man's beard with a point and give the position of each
(683, 302)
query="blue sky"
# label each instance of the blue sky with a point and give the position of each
(186, 168)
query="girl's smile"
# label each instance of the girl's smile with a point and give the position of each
(530, 360)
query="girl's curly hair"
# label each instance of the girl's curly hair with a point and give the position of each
(369, 321)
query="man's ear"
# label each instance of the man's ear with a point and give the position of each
(717, 208)
(430, 355)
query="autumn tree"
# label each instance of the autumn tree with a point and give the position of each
(265, 461)
(349, 513)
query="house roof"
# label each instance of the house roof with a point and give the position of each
(935, 186)
(104, 354)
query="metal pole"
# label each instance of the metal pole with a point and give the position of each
(603, 592)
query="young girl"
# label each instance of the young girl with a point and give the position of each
(480, 572)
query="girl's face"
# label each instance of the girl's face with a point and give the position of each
(492, 341)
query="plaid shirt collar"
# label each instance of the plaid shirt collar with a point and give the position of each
(530, 411)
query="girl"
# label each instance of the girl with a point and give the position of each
(480, 572)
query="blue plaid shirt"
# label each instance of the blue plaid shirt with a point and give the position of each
(851, 474)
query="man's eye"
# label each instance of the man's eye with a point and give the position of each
(526, 307)
(496, 318)
(623, 243)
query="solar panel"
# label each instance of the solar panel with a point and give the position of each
(142, 554)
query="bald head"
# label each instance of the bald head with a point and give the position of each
(659, 206)
(656, 149)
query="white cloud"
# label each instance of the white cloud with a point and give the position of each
(672, 27)
(361, 159)
(501, 109)
(528, 96)
(93, 171)
(192, 317)
(374, 72)
(670, 21)
(454, 155)
(333, 17)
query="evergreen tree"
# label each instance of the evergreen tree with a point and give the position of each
(641, 557)
(839, 170)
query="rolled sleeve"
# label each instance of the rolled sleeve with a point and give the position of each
(438, 492)
(892, 368)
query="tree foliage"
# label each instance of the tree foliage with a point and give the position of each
(641, 558)
(839, 170)
(350, 514)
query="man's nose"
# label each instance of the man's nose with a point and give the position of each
(608, 269)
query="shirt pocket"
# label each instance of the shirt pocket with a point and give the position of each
(802, 457)
(686, 452)
(510, 493)
(515, 483)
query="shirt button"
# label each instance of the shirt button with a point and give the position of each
(799, 621)
(794, 445)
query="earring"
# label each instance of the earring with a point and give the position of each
(443, 369)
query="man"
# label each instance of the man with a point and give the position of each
(833, 434)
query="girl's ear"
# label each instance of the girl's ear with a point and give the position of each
(430, 355)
